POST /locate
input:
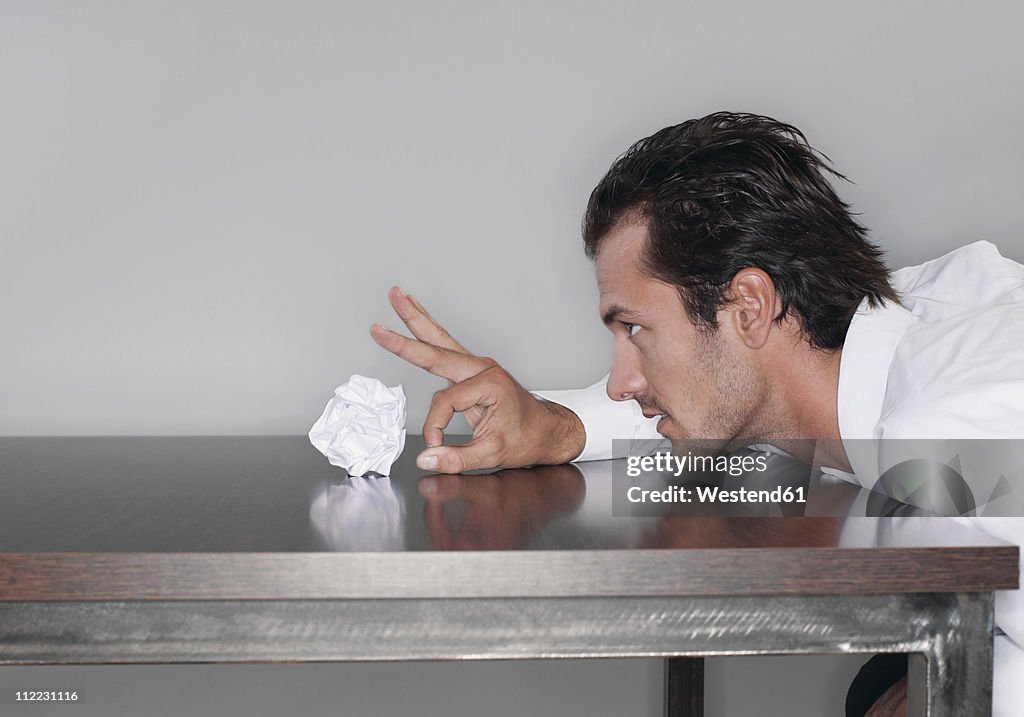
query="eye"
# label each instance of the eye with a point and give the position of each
(632, 329)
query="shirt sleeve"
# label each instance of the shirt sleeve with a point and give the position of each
(603, 419)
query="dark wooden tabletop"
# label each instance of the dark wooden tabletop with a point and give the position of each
(267, 517)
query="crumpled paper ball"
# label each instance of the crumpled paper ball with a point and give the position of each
(362, 429)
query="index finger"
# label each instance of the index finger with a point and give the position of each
(452, 365)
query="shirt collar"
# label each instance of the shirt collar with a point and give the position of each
(867, 354)
(864, 364)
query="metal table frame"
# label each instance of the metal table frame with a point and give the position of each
(949, 635)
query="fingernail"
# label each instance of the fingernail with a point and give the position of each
(427, 463)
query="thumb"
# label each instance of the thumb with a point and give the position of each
(476, 455)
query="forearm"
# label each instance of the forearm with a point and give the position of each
(568, 437)
(601, 420)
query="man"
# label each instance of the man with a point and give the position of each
(748, 305)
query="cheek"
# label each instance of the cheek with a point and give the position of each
(681, 379)
(668, 375)
(649, 360)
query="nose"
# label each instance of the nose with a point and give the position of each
(626, 379)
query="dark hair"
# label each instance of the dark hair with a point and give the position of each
(733, 190)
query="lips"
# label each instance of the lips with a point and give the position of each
(650, 409)
(662, 423)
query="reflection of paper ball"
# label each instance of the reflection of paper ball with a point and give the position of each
(360, 514)
(362, 429)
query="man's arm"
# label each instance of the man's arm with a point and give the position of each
(604, 420)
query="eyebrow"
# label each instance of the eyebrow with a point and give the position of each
(618, 313)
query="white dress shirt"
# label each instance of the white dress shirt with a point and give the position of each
(945, 363)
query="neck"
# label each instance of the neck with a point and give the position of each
(802, 405)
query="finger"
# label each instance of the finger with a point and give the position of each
(421, 307)
(472, 393)
(452, 365)
(441, 329)
(421, 323)
(476, 455)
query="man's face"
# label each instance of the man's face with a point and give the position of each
(702, 382)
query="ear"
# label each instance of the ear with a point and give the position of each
(753, 305)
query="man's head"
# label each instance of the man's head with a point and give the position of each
(719, 238)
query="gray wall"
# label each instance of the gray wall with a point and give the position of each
(202, 206)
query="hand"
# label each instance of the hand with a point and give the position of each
(511, 428)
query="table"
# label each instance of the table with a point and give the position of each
(254, 548)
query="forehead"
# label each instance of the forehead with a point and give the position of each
(628, 293)
(621, 280)
(618, 256)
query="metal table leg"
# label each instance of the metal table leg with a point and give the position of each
(953, 677)
(684, 687)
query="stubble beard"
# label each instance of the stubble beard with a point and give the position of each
(733, 421)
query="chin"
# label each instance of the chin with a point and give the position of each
(669, 429)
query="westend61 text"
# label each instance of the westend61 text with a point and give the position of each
(713, 494)
(666, 461)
